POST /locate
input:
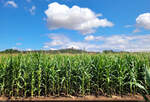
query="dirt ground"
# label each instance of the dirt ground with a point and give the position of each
(129, 98)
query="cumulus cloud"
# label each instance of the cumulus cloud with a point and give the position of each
(18, 44)
(91, 37)
(83, 20)
(28, 0)
(115, 42)
(143, 20)
(28, 49)
(136, 30)
(32, 10)
(59, 41)
(123, 42)
(126, 42)
(15, 48)
(11, 3)
(128, 26)
(82, 45)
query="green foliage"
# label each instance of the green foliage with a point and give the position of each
(71, 51)
(10, 51)
(41, 74)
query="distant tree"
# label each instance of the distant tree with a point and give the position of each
(108, 51)
(11, 51)
(70, 50)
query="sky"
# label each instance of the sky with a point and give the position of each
(92, 25)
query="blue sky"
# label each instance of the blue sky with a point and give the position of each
(93, 25)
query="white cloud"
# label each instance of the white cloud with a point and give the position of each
(143, 20)
(124, 42)
(28, 49)
(59, 41)
(114, 42)
(28, 0)
(18, 44)
(45, 47)
(136, 30)
(128, 26)
(53, 49)
(12, 3)
(32, 10)
(15, 48)
(83, 20)
(91, 37)
(82, 45)
(73, 46)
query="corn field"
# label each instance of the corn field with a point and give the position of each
(40, 74)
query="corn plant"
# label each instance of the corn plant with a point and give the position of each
(42, 74)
